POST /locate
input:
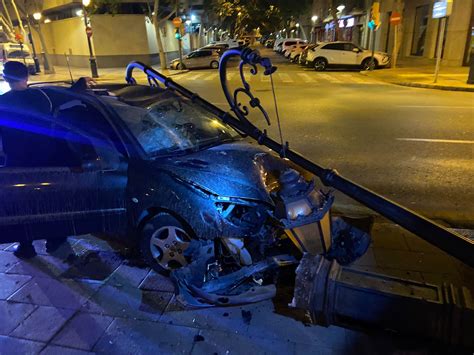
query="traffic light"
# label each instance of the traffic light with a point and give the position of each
(177, 34)
(374, 22)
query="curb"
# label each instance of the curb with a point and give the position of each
(432, 86)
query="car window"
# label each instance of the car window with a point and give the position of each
(40, 141)
(205, 53)
(334, 46)
(290, 43)
(348, 47)
(172, 125)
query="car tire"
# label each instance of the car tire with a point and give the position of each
(180, 66)
(214, 64)
(368, 65)
(163, 240)
(320, 64)
(296, 59)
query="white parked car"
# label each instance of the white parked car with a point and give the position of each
(344, 54)
(296, 52)
(230, 43)
(288, 43)
(277, 44)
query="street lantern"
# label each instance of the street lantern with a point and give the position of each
(297, 25)
(37, 16)
(340, 8)
(92, 60)
(314, 19)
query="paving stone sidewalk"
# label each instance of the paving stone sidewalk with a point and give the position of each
(89, 298)
(422, 76)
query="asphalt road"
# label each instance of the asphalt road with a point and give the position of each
(415, 146)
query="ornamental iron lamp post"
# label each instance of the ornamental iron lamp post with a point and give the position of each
(92, 59)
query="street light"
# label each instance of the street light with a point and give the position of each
(314, 19)
(340, 8)
(92, 60)
(37, 16)
(297, 25)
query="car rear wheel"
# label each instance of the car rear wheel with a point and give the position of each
(214, 64)
(163, 242)
(320, 64)
(180, 66)
(368, 64)
(296, 59)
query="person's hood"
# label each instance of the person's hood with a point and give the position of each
(237, 169)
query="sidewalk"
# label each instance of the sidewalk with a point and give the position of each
(420, 74)
(89, 298)
(115, 75)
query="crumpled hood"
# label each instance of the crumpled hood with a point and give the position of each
(227, 170)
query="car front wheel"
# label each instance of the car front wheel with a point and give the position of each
(163, 243)
(320, 64)
(369, 64)
(214, 64)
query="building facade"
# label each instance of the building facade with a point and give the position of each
(419, 31)
(117, 38)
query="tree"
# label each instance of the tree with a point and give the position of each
(29, 7)
(157, 22)
(399, 7)
(335, 19)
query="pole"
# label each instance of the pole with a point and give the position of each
(48, 69)
(30, 37)
(372, 59)
(440, 48)
(92, 60)
(470, 79)
(180, 45)
(395, 47)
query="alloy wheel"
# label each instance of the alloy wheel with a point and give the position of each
(167, 246)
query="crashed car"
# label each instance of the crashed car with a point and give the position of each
(149, 166)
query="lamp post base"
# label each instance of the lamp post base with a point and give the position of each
(94, 72)
(37, 65)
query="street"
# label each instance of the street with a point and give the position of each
(415, 146)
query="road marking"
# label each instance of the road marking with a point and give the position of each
(453, 141)
(194, 77)
(436, 106)
(285, 78)
(329, 78)
(306, 78)
(211, 77)
(264, 78)
(354, 78)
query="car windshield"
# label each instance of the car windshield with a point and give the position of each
(173, 126)
(18, 54)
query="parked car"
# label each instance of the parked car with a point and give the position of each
(203, 58)
(304, 53)
(151, 167)
(288, 43)
(296, 52)
(231, 43)
(220, 49)
(269, 43)
(15, 52)
(277, 44)
(344, 54)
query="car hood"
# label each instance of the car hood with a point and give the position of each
(229, 170)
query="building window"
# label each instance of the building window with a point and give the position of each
(419, 30)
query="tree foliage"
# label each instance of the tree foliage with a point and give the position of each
(240, 16)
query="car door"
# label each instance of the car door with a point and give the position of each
(204, 60)
(334, 52)
(53, 182)
(350, 56)
(189, 60)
